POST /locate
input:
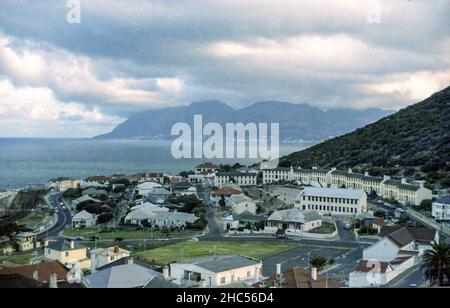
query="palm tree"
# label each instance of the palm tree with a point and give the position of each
(318, 262)
(437, 264)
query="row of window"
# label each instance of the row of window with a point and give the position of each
(330, 199)
(330, 208)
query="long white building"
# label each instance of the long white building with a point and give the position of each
(238, 178)
(400, 190)
(334, 201)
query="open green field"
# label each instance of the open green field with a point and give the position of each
(194, 249)
(130, 235)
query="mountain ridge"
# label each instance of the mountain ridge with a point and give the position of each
(297, 121)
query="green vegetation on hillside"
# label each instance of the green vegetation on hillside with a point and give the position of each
(414, 142)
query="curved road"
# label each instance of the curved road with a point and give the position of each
(64, 217)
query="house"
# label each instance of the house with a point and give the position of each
(404, 192)
(84, 199)
(333, 201)
(104, 256)
(145, 188)
(83, 219)
(298, 278)
(378, 224)
(96, 181)
(126, 276)
(156, 177)
(27, 241)
(171, 220)
(441, 209)
(293, 220)
(235, 221)
(374, 273)
(225, 193)
(242, 204)
(139, 216)
(63, 184)
(216, 271)
(159, 194)
(238, 178)
(68, 253)
(41, 272)
(399, 249)
(206, 167)
(149, 207)
(95, 193)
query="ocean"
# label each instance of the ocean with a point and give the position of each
(26, 162)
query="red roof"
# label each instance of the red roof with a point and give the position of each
(44, 271)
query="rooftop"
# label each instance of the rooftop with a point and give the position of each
(64, 245)
(222, 263)
(294, 215)
(299, 277)
(44, 271)
(333, 192)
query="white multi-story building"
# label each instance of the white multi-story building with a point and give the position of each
(238, 178)
(334, 201)
(400, 190)
(441, 208)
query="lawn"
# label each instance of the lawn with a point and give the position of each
(20, 259)
(131, 234)
(193, 249)
(325, 228)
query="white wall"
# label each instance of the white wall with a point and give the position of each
(384, 250)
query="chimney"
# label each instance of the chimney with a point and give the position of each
(404, 181)
(350, 170)
(130, 260)
(116, 249)
(279, 269)
(72, 244)
(36, 275)
(314, 273)
(53, 281)
(166, 272)
(366, 173)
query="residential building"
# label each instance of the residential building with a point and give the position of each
(104, 256)
(184, 189)
(84, 199)
(235, 221)
(63, 184)
(242, 204)
(159, 194)
(293, 220)
(405, 192)
(96, 181)
(333, 201)
(298, 278)
(441, 209)
(149, 207)
(206, 167)
(277, 174)
(399, 249)
(95, 193)
(370, 184)
(126, 276)
(216, 271)
(239, 178)
(27, 241)
(68, 253)
(140, 216)
(156, 177)
(41, 272)
(171, 220)
(145, 188)
(224, 193)
(83, 219)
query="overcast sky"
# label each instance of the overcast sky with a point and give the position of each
(81, 79)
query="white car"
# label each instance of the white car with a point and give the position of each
(347, 226)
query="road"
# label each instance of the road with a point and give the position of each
(64, 217)
(410, 279)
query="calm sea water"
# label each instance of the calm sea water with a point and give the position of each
(25, 162)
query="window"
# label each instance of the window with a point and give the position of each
(249, 274)
(67, 253)
(222, 280)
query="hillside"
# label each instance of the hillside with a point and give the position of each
(414, 142)
(297, 121)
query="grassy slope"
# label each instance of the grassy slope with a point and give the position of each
(414, 142)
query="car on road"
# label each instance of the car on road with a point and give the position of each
(79, 238)
(347, 226)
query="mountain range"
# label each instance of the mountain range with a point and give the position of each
(414, 143)
(297, 121)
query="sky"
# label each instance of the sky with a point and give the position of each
(64, 74)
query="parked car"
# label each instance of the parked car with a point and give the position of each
(280, 234)
(347, 226)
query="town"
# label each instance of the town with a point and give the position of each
(224, 226)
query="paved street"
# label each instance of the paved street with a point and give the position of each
(64, 217)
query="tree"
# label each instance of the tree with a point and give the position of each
(318, 262)
(10, 230)
(426, 205)
(437, 264)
